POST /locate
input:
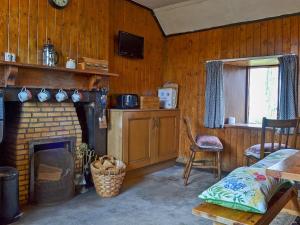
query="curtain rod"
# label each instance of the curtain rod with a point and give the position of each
(247, 58)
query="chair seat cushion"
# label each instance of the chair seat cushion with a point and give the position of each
(209, 142)
(254, 150)
(274, 158)
(246, 188)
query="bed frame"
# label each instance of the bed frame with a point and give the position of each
(221, 215)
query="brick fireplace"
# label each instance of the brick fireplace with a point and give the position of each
(35, 121)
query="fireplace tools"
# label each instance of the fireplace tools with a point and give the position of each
(85, 155)
(103, 105)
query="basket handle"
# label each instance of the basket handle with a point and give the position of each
(107, 157)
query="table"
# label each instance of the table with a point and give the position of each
(288, 168)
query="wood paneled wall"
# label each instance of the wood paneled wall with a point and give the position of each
(86, 28)
(186, 57)
(89, 28)
(141, 76)
(81, 29)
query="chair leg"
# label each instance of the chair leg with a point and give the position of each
(188, 165)
(219, 164)
(247, 160)
(189, 168)
(215, 169)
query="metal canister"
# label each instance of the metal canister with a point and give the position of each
(50, 56)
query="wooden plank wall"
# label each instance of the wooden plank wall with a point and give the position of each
(88, 28)
(141, 76)
(185, 64)
(81, 29)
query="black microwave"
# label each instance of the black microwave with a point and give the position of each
(125, 101)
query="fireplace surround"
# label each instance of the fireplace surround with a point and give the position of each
(33, 120)
(29, 123)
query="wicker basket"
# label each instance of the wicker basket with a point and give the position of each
(108, 182)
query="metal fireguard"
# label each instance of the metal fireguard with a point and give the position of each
(52, 170)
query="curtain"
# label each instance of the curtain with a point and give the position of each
(214, 95)
(288, 91)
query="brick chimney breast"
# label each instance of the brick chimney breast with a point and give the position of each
(34, 121)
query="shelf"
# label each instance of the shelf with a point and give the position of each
(60, 69)
(33, 75)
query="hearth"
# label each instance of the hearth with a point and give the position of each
(52, 169)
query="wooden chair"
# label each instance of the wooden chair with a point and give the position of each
(202, 143)
(283, 128)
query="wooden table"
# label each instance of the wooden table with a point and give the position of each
(288, 168)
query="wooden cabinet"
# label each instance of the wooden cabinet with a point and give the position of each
(167, 135)
(143, 137)
(138, 143)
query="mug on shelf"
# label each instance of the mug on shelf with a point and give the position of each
(71, 64)
(76, 96)
(44, 95)
(61, 95)
(24, 95)
(13, 57)
(10, 57)
(231, 120)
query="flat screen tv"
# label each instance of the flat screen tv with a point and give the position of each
(130, 45)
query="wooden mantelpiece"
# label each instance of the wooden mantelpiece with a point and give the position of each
(36, 76)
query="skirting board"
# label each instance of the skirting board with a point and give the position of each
(149, 169)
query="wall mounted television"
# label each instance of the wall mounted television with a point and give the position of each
(130, 45)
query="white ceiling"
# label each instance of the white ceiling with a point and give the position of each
(177, 16)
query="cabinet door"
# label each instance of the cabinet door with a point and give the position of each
(167, 135)
(138, 139)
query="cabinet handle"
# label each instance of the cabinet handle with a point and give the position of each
(154, 123)
(157, 122)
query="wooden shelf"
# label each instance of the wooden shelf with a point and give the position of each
(35, 76)
(60, 69)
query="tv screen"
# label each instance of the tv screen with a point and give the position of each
(131, 45)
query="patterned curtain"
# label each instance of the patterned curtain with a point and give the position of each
(288, 87)
(214, 95)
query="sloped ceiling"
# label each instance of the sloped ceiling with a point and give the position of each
(177, 16)
(153, 4)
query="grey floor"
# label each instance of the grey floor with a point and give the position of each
(157, 199)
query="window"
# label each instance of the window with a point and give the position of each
(251, 90)
(262, 93)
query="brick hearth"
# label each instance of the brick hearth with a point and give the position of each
(32, 121)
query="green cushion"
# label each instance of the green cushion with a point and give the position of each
(246, 188)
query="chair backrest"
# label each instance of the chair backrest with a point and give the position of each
(189, 132)
(282, 127)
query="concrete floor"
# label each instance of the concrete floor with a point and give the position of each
(157, 199)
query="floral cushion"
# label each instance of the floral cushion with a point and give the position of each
(209, 142)
(274, 158)
(255, 149)
(245, 188)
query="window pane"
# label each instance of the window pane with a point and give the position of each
(263, 94)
